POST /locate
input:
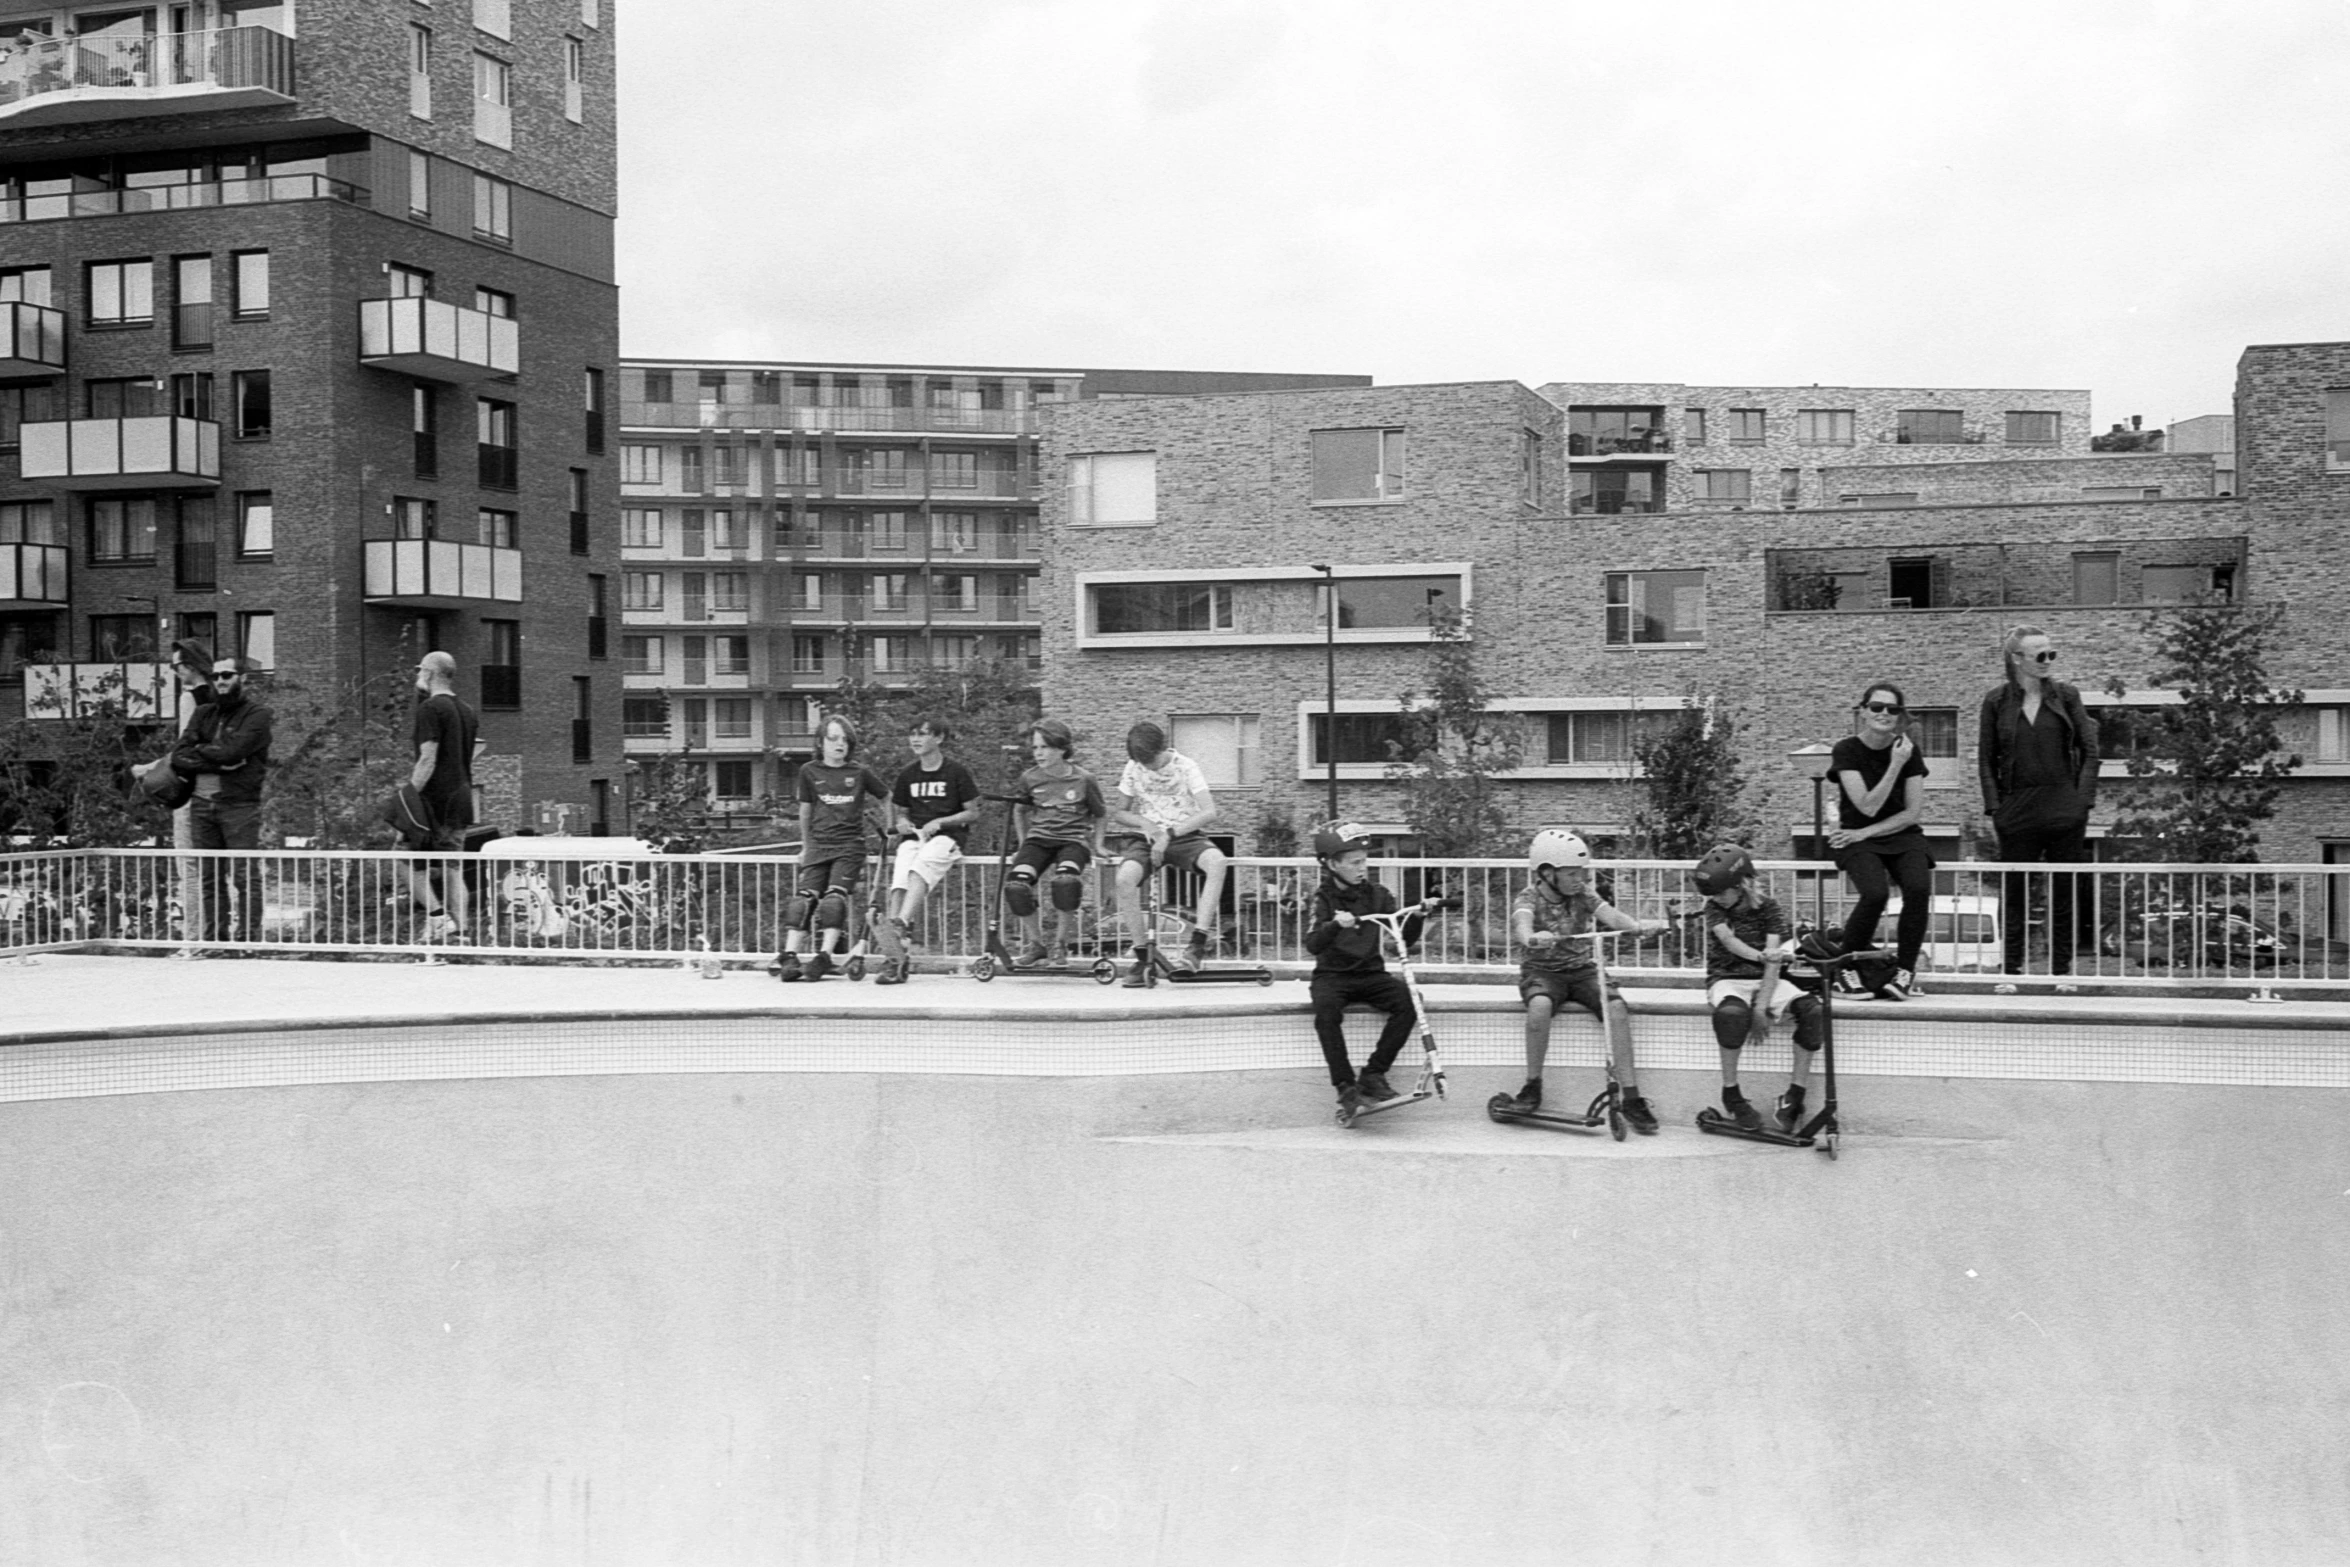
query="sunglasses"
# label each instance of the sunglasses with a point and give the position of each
(2046, 656)
(228, 674)
(1883, 707)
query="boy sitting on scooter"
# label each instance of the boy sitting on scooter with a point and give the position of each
(1553, 920)
(1164, 806)
(1349, 966)
(833, 792)
(1061, 805)
(1748, 931)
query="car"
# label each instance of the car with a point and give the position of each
(2212, 936)
(1962, 934)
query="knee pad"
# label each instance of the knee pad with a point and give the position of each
(1731, 1021)
(832, 911)
(1068, 888)
(796, 910)
(1808, 1018)
(1020, 892)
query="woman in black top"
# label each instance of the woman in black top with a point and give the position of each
(2037, 751)
(1877, 841)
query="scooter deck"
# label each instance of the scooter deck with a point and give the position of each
(1592, 1120)
(1711, 1120)
(1215, 976)
(1384, 1105)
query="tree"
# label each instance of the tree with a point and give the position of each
(334, 758)
(991, 703)
(1693, 783)
(2206, 773)
(1452, 750)
(65, 779)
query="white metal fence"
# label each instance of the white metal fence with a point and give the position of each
(2157, 926)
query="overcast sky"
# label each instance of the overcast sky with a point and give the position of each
(2116, 197)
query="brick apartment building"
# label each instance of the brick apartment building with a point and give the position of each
(1199, 605)
(786, 526)
(309, 314)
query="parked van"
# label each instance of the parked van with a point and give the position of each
(1962, 937)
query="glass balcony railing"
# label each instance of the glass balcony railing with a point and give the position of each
(441, 573)
(64, 81)
(135, 689)
(105, 201)
(437, 341)
(801, 416)
(32, 339)
(33, 576)
(1614, 443)
(159, 451)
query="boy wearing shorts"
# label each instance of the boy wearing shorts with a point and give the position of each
(932, 806)
(1746, 930)
(1350, 966)
(1163, 793)
(833, 791)
(1060, 811)
(1553, 920)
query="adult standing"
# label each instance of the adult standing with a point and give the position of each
(225, 750)
(1880, 801)
(191, 666)
(2037, 752)
(443, 734)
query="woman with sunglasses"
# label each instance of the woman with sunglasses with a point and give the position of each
(2037, 751)
(1880, 800)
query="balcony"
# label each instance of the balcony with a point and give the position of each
(33, 576)
(79, 81)
(158, 451)
(104, 202)
(437, 341)
(2123, 574)
(441, 573)
(140, 690)
(800, 416)
(32, 340)
(1618, 443)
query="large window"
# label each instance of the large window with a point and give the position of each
(122, 529)
(1226, 746)
(640, 464)
(191, 309)
(501, 665)
(1367, 603)
(1823, 426)
(1747, 426)
(254, 419)
(2338, 430)
(1725, 484)
(644, 717)
(1929, 427)
(730, 655)
(256, 525)
(29, 522)
(495, 426)
(121, 293)
(1135, 608)
(251, 285)
(257, 637)
(954, 470)
(640, 590)
(731, 718)
(2033, 429)
(1114, 489)
(493, 101)
(1358, 465)
(954, 532)
(1606, 492)
(1603, 432)
(954, 591)
(115, 637)
(730, 591)
(493, 209)
(1655, 607)
(640, 655)
(1364, 739)
(1605, 738)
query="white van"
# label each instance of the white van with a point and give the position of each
(1962, 937)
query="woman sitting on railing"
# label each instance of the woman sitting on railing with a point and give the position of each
(1880, 800)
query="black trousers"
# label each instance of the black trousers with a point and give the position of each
(2067, 845)
(1873, 874)
(1334, 993)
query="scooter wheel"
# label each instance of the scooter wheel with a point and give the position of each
(1708, 1116)
(1266, 978)
(1104, 971)
(983, 968)
(855, 969)
(1615, 1123)
(1828, 1143)
(1496, 1105)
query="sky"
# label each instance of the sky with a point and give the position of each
(2076, 195)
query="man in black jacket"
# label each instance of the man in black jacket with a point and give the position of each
(226, 751)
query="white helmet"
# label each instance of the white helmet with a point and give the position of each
(1557, 848)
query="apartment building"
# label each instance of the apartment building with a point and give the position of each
(306, 322)
(786, 527)
(1201, 605)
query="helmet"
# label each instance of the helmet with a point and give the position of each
(1339, 838)
(1725, 865)
(1557, 848)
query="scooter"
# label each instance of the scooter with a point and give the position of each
(874, 932)
(1161, 927)
(996, 958)
(1431, 1080)
(1822, 1130)
(1607, 1106)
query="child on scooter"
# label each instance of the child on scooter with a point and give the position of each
(1350, 966)
(833, 793)
(1057, 819)
(1747, 931)
(1552, 921)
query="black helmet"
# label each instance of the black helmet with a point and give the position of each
(1339, 838)
(1725, 865)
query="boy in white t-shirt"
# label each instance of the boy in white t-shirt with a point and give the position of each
(1164, 794)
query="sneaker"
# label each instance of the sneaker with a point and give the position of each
(186, 954)
(893, 972)
(2003, 989)
(1194, 953)
(1139, 976)
(904, 931)
(439, 927)
(1530, 1096)
(1749, 1119)
(1350, 1099)
(817, 967)
(1790, 1110)
(1035, 954)
(2067, 988)
(1900, 987)
(1374, 1087)
(1638, 1115)
(1056, 956)
(788, 968)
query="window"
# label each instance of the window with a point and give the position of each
(256, 525)
(406, 282)
(579, 511)
(659, 387)
(640, 527)
(420, 187)
(1790, 487)
(1607, 492)
(1655, 606)
(19, 404)
(121, 293)
(807, 655)
(1225, 745)
(413, 518)
(501, 664)
(1937, 737)
(954, 532)
(583, 707)
(1746, 426)
(644, 717)
(800, 465)
(29, 522)
(711, 384)
(494, 17)
(1609, 739)
(1823, 427)
(257, 637)
(495, 528)
(807, 591)
(2032, 429)
(1608, 432)
(592, 394)
(1132, 608)
(2125, 731)
(730, 780)
(2338, 430)
(1370, 603)
(954, 470)
(885, 532)
(640, 590)
(640, 655)
(731, 718)
(191, 394)
(249, 394)
(2333, 735)
(2121, 492)
(574, 74)
(726, 464)
(599, 606)
(1693, 426)
(1724, 484)
(134, 397)
(493, 209)
(419, 72)
(1114, 489)
(494, 424)
(589, 13)
(1880, 498)
(251, 283)
(196, 559)
(882, 470)
(25, 285)
(116, 637)
(887, 590)
(730, 591)
(494, 302)
(1929, 427)
(1358, 465)
(1530, 467)
(1917, 582)
(693, 535)
(122, 529)
(892, 654)
(2186, 584)
(954, 592)
(731, 655)
(424, 429)
(2096, 577)
(493, 103)
(191, 311)
(1364, 739)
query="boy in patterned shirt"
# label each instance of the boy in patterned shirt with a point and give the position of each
(1060, 814)
(1164, 803)
(1553, 921)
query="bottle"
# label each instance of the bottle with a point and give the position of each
(711, 967)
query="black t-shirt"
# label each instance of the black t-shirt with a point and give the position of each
(926, 796)
(1855, 755)
(449, 791)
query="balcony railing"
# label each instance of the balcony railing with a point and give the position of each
(102, 203)
(33, 576)
(799, 416)
(441, 573)
(2127, 574)
(139, 690)
(437, 341)
(64, 81)
(158, 451)
(1614, 505)
(32, 339)
(1624, 443)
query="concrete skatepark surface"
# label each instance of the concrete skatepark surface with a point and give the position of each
(843, 1318)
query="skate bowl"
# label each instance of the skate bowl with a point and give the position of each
(431, 1289)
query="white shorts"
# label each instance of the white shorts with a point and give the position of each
(1782, 995)
(929, 858)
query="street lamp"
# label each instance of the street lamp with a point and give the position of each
(1330, 680)
(1812, 762)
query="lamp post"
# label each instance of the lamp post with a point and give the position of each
(1330, 680)
(1812, 762)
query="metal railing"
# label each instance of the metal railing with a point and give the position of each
(2242, 930)
(736, 415)
(256, 60)
(40, 207)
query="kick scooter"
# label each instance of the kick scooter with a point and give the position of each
(1823, 1129)
(1161, 927)
(875, 932)
(1431, 1082)
(997, 956)
(1607, 1106)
